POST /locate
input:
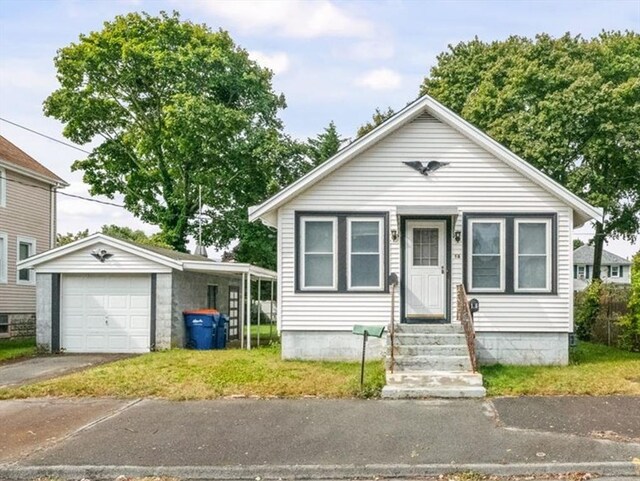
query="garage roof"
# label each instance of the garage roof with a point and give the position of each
(176, 260)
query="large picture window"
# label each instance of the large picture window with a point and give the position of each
(533, 255)
(319, 246)
(341, 252)
(511, 253)
(365, 254)
(487, 255)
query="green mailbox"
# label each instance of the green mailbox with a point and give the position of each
(365, 332)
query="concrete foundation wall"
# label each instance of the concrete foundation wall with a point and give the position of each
(44, 284)
(524, 348)
(329, 345)
(189, 291)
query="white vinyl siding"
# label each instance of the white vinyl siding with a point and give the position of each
(365, 260)
(378, 181)
(533, 255)
(4, 258)
(486, 256)
(319, 243)
(26, 247)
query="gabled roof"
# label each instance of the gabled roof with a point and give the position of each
(181, 261)
(16, 159)
(584, 255)
(266, 210)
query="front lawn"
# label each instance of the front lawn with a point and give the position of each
(182, 374)
(594, 370)
(15, 348)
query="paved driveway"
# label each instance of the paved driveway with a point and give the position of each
(39, 368)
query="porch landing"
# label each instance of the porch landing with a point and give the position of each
(430, 360)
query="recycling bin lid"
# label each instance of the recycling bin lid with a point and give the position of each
(206, 312)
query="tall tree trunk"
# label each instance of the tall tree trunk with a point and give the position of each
(598, 243)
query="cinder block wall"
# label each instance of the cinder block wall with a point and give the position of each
(44, 285)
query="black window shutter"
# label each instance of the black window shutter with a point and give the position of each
(575, 271)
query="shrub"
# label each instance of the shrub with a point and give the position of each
(587, 310)
(629, 324)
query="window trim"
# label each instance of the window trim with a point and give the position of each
(33, 251)
(617, 274)
(334, 253)
(380, 253)
(3, 187)
(509, 219)
(4, 254)
(584, 271)
(516, 254)
(487, 220)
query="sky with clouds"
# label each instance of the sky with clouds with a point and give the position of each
(333, 60)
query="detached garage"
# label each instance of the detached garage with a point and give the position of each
(102, 294)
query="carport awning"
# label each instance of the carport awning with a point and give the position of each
(230, 268)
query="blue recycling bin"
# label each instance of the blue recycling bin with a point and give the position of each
(221, 332)
(202, 326)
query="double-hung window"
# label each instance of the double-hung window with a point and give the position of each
(26, 248)
(4, 257)
(364, 259)
(581, 272)
(341, 252)
(487, 255)
(319, 239)
(532, 255)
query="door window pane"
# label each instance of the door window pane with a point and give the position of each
(486, 266)
(425, 247)
(532, 255)
(365, 255)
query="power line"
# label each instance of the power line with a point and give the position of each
(112, 204)
(45, 135)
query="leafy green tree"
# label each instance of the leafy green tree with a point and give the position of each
(135, 235)
(69, 237)
(325, 145)
(377, 118)
(174, 106)
(577, 243)
(568, 105)
(630, 323)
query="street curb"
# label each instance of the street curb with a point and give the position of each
(328, 472)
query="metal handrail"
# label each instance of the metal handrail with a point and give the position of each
(465, 317)
(392, 328)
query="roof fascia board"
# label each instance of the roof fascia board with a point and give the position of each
(30, 173)
(450, 118)
(49, 255)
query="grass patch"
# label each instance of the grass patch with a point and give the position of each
(264, 331)
(182, 374)
(594, 370)
(15, 348)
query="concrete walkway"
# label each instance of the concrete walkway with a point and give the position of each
(45, 367)
(248, 438)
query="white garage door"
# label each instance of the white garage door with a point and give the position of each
(105, 313)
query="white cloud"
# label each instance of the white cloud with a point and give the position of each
(380, 79)
(290, 18)
(26, 75)
(369, 50)
(278, 61)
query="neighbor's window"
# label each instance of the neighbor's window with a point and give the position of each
(212, 297)
(365, 257)
(319, 246)
(486, 256)
(4, 325)
(26, 248)
(533, 255)
(581, 272)
(615, 271)
(4, 257)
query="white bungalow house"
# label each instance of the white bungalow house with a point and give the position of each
(432, 199)
(614, 269)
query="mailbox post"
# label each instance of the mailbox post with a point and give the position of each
(365, 332)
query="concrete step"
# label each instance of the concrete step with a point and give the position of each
(433, 378)
(429, 328)
(426, 339)
(419, 392)
(432, 363)
(430, 350)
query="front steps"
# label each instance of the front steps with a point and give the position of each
(431, 360)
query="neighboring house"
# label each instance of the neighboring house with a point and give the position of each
(27, 227)
(102, 294)
(614, 269)
(431, 198)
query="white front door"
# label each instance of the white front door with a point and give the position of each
(105, 313)
(425, 264)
